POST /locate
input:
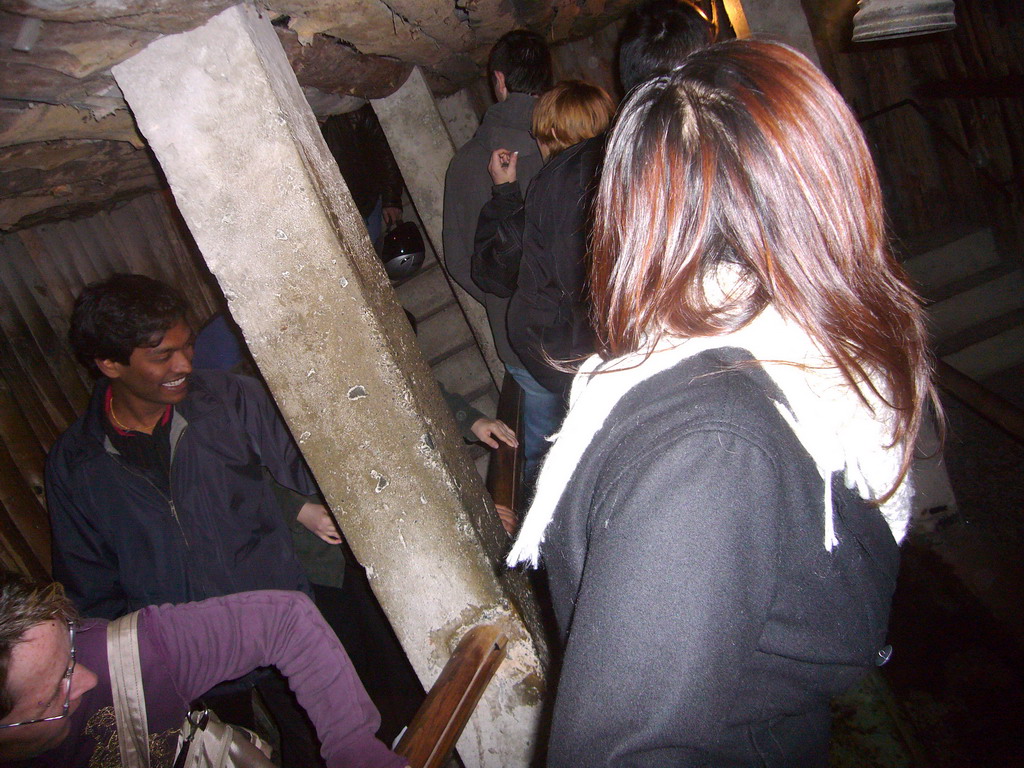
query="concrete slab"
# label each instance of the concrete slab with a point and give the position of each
(264, 200)
(459, 116)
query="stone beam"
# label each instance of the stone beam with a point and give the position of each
(44, 122)
(323, 63)
(423, 148)
(262, 195)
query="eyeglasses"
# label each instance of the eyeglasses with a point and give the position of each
(72, 625)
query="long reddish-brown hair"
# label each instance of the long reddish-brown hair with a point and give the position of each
(747, 155)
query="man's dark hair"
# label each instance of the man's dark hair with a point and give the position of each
(25, 602)
(657, 36)
(113, 317)
(523, 57)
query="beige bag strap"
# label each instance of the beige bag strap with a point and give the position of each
(126, 689)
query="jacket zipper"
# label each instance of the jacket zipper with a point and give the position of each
(170, 484)
(170, 479)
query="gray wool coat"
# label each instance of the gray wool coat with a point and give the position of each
(506, 125)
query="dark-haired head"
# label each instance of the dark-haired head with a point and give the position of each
(524, 61)
(746, 155)
(112, 317)
(657, 36)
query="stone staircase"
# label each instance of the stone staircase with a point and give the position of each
(976, 309)
(975, 303)
(446, 340)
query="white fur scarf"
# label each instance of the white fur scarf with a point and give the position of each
(839, 431)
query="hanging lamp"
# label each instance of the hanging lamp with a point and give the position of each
(885, 19)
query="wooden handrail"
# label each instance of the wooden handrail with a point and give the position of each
(441, 718)
(504, 474)
(988, 404)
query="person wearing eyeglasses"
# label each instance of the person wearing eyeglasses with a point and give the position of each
(56, 707)
(39, 672)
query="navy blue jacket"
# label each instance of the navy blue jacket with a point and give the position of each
(120, 544)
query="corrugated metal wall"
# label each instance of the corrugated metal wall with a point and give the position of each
(42, 388)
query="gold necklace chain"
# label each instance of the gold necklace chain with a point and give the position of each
(117, 421)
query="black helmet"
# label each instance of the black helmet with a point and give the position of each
(402, 251)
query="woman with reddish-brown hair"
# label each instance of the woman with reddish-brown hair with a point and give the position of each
(721, 512)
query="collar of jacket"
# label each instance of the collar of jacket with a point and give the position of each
(198, 402)
(838, 429)
(516, 111)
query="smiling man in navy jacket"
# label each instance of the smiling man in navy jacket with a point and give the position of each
(157, 492)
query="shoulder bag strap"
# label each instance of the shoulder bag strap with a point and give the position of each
(126, 689)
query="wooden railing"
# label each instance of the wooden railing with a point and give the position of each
(988, 404)
(504, 475)
(436, 727)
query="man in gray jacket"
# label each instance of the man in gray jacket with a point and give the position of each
(519, 68)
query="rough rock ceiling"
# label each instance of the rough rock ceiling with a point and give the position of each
(69, 144)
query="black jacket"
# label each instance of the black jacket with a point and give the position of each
(498, 245)
(549, 314)
(120, 544)
(705, 623)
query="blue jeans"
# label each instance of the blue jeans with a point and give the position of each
(543, 412)
(375, 222)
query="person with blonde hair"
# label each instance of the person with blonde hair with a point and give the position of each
(720, 516)
(533, 251)
(571, 112)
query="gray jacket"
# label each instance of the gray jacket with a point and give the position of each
(468, 186)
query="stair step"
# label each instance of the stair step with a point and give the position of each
(485, 402)
(987, 275)
(437, 310)
(425, 291)
(483, 398)
(456, 349)
(463, 372)
(953, 261)
(991, 356)
(1008, 384)
(482, 462)
(980, 332)
(979, 304)
(443, 333)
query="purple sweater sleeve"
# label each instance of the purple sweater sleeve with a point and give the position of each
(223, 638)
